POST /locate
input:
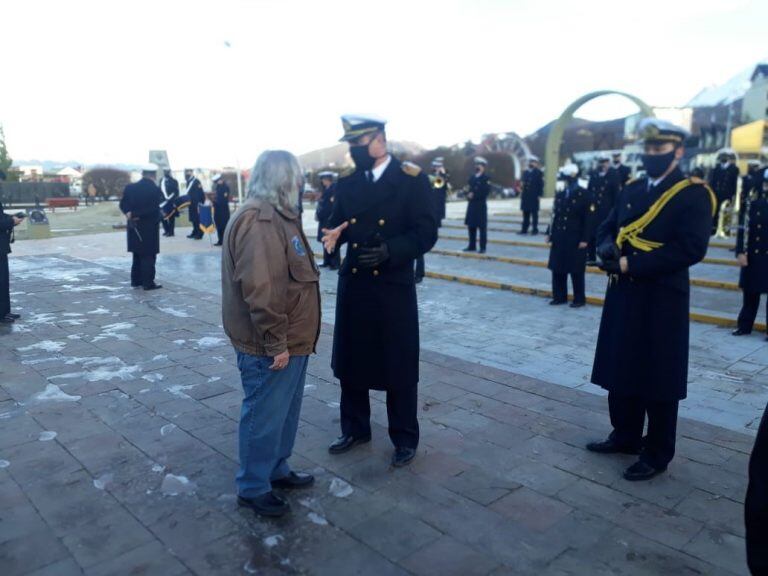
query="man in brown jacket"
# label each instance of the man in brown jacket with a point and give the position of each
(271, 313)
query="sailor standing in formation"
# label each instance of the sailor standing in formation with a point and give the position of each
(568, 235)
(658, 229)
(752, 254)
(723, 180)
(220, 206)
(169, 186)
(602, 193)
(323, 212)
(384, 214)
(477, 206)
(196, 197)
(438, 181)
(533, 189)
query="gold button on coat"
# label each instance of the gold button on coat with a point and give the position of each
(353, 221)
(375, 272)
(354, 245)
(381, 222)
(354, 270)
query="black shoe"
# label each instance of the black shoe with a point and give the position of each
(641, 471)
(741, 332)
(191, 236)
(294, 481)
(610, 446)
(7, 320)
(557, 302)
(217, 244)
(481, 251)
(269, 504)
(419, 279)
(13, 316)
(346, 443)
(323, 265)
(577, 304)
(535, 233)
(153, 287)
(403, 456)
(522, 233)
(468, 249)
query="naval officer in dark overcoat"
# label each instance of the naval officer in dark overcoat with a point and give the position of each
(384, 214)
(658, 229)
(323, 212)
(568, 235)
(476, 218)
(141, 205)
(602, 194)
(533, 190)
(752, 255)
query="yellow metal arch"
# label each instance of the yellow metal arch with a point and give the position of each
(555, 138)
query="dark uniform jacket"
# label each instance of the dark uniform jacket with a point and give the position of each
(6, 231)
(619, 175)
(533, 189)
(602, 193)
(221, 199)
(752, 240)
(477, 208)
(439, 198)
(756, 503)
(642, 346)
(143, 200)
(324, 209)
(196, 197)
(376, 336)
(570, 225)
(723, 181)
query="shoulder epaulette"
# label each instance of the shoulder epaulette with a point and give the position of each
(411, 169)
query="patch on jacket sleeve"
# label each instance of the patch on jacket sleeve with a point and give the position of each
(411, 169)
(298, 246)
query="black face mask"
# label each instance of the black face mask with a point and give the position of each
(617, 162)
(478, 171)
(656, 164)
(360, 156)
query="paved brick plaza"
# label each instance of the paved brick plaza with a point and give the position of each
(118, 415)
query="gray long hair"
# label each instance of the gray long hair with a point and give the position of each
(276, 178)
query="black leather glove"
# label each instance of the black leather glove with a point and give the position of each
(610, 266)
(372, 256)
(608, 251)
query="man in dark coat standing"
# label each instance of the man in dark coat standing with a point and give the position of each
(384, 213)
(196, 197)
(169, 186)
(141, 205)
(568, 235)
(323, 212)
(220, 206)
(602, 194)
(7, 224)
(723, 179)
(438, 182)
(533, 189)
(752, 253)
(658, 229)
(756, 503)
(618, 173)
(477, 206)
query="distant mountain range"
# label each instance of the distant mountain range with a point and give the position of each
(50, 166)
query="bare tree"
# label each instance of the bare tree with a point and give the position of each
(107, 181)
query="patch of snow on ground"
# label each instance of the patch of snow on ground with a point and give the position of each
(4, 463)
(315, 518)
(99, 310)
(152, 377)
(47, 436)
(173, 312)
(53, 393)
(177, 485)
(272, 541)
(101, 482)
(340, 488)
(46, 345)
(210, 341)
(167, 429)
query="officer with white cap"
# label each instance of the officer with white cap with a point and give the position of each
(602, 194)
(658, 228)
(533, 189)
(141, 205)
(477, 206)
(323, 212)
(724, 179)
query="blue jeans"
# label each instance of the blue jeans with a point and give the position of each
(268, 420)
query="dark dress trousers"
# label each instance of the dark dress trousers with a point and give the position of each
(641, 357)
(477, 210)
(533, 189)
(376, 335)
(221, 208)
(570, 226)
(143, 200)
(756, 503)
(6, 234)
(752, 240)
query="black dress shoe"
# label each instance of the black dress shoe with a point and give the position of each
(481, 251)
(190, 236)
(535, 233)
(153, 287)
(323, 265)
(294, 481)
(557, 302)
(419, 279)
(468, 249)
(346, 443)
(641, 471)
(7, 320)
(610, 446)
(403, 456)
(577, 304)
(740, 332)
(13, 316)
(269, 504)
(217, 244)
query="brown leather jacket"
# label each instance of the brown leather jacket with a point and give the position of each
(269, 283)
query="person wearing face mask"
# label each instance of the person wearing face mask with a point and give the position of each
(568, 234)
(618, 173)
(723, 179)
(438, 181)
(196, 196)
(323, 212)
(658, 228)
(602, 194)
(533, 189)
(385, 215)
(752, 253)
(477, 206)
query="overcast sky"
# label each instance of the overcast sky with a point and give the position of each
(216, 82)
